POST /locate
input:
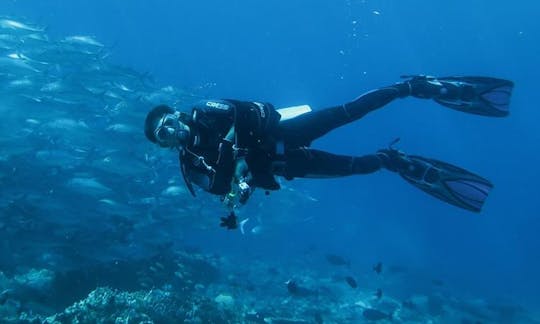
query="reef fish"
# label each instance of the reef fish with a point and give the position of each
(337, 260)
(350, 280)
(373, 314)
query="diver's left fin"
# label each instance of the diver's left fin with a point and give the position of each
(447, 182)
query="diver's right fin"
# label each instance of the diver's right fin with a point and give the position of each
(477, 95)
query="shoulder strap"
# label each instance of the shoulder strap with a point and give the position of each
(188, 183)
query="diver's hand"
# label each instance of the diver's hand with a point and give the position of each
(229, 222)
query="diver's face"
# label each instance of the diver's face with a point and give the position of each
(171, 132)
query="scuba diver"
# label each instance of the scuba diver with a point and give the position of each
(230, 147)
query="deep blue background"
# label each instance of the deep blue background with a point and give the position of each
(326, 52)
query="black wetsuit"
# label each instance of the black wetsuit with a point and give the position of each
(270, 146)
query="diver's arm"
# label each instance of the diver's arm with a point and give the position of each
(241, 180)
(240, 189)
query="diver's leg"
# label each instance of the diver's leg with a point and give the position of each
(310, 126)
(309, 163)
(458, 95)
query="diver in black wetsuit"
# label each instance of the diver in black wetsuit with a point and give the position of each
(230, 147)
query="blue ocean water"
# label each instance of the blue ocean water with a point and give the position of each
(326, 53)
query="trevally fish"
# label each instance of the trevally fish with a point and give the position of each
(11, 64)
(89, 186)
(19, 26)
(82, 40)
(122, 128)
(8, 41)
(34, 39)
(67, 123)
(173, 191)
(20, 56)
(23, 83)
(60, 158)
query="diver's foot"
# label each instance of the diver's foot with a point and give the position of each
(428, 87)
(393, 160)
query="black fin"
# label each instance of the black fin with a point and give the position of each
(479, 95)
(447, 182)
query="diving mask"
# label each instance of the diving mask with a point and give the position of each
(171, 132)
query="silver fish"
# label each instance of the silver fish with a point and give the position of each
(18, 26)
(89, 186)
(82, 40)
